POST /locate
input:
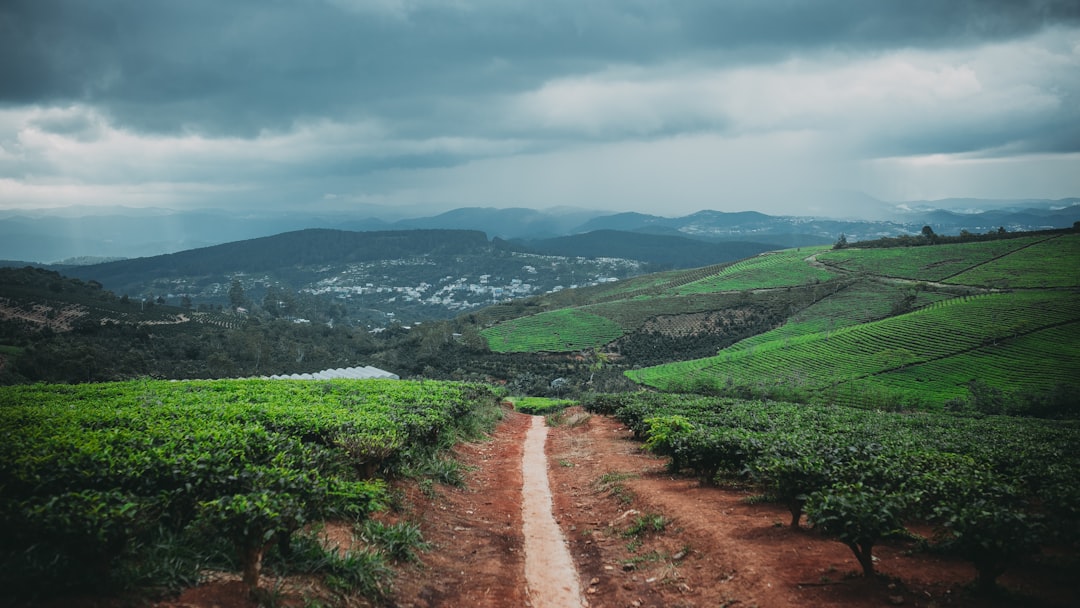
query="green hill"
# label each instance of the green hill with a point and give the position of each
(886, 327)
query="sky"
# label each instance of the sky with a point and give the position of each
(623, 105)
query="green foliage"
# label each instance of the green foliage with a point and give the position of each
(92, 474)
(539, 406)
(565, 330)
(925, 263)
(400, 541)
(999, 337)
(646, 523)
(858, 516)
(790, 476)
(859, 473)
(252, 522)
(1043, 264)
(988, 525)
(705, 451)
(436, 467)
(787, 268)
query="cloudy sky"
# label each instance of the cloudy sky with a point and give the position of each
(662, 107)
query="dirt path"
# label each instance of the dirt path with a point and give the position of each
(476, 555)
(640, 537)
(721, 547)
(549, 571)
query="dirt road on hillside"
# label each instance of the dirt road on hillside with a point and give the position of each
(639, 537)
(714, 546)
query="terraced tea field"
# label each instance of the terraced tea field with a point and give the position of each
(563, 330)
(861, 302)
(786, 268)
(814, 363)
(926, 263)
(1039, 360)
(1048, 263)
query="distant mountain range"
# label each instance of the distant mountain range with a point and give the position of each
(51, 236)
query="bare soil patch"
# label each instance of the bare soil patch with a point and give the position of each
(477, 547)
(718, 548)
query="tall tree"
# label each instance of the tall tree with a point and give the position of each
(236, 294)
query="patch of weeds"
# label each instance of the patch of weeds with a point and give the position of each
(448, 471)
(554, 420)
(650, 557)
(734, 481)
(427, 487)
(272, 597)
(903, 534)
(399, 541)
(633, 545)
(168, 560)
(363, 572)
(611, 483)
(475, 425)
(565, 463)
(757, 499)
(395, 500)
(438, 468)
(568, 420)
(621, 493)
(669, 573)
(647, 523)
(613, 477)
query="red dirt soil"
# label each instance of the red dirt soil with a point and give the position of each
(716, 547)
(719, 549)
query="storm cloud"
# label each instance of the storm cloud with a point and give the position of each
(618, 104)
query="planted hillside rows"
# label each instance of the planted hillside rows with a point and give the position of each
(1040, 360)
(1045, 264)
(928, 263)
(817, 361)
(994, 488)
(860, 302)
(556, 331)
(786, 268)
(91, 473)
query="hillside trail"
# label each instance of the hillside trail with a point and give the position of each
(638, 536)
(642, 537)
(549, 571)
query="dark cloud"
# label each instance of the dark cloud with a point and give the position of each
(796, 25)
(286, 94)
(242, 66)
